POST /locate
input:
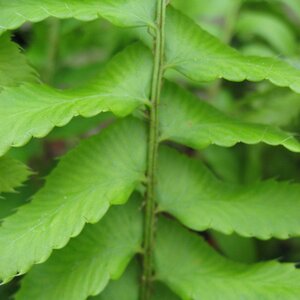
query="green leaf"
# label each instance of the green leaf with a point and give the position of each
(33, 110)
(83, 268)
(195, 271)
(128, 287)
(277, 107)
(197, 9)
(270, 28)
(205, 13)
(224, 162)
(12, 174)
(6, 291)
(197, 124)
(80, 126)
(187, 190)
(120, 12)
(161, 292)
(14, 68)
(125, 288)
(236, 247)
(201, 57)
(10, 202)
(102, 171)
(258, 49)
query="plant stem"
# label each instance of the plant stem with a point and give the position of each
(150, 204)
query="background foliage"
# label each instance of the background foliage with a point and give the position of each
(69, 54)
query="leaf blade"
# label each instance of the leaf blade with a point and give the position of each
(128, 286)
(198, 125)
(33, 110)
(119, 12)
(188, 191)
(12, 174)
(204, 274)
(101, 252)
(111, 165)
(202, 57)
(14, 68)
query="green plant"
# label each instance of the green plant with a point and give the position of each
(125, 183)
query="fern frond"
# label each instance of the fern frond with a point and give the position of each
(194, 271)
(101, 171)
(277, 107)
(120, 12)
(127, 287)
(85, 266)
(14, 68)
(198, 124)
(187, 190)
(202, 57)
(270, 28)
(33, 110)
(12, 174)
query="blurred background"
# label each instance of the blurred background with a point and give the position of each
(69, 53)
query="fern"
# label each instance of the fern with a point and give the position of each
(203, 125)
(193, 197)
(136, 193)
(127, 287)
(269, 28)
(99, 253)
(71, 196)
(12, 174)
(14, 68)
(224, 279)
(123, 13)
(115, 90)
(201, 57)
